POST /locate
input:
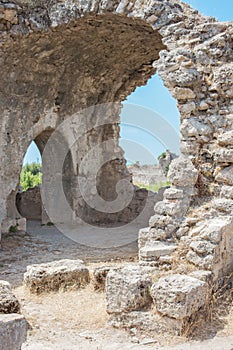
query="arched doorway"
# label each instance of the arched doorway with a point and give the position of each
(147, 151)
(28, 199)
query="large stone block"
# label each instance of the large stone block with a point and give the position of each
(179, 296)
(8, 302)
(13, 331)
(212, 244)
(56, 275)
(193, 127)
(127, 289)
(155, 250)
(182, 172)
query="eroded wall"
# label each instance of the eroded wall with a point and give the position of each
(61, 58)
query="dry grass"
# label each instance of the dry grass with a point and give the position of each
(80, 309)
(217, 315)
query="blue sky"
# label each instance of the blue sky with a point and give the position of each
(156, 97)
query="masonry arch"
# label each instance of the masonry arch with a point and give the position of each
(77, 55)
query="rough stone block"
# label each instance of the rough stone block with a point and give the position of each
(56, 275)
(223, 155)
(13, 331)
(146, 321)
(99, 277)
(127, 289)
(226, 138)
(21, 224)
(8, 302)
(182, 172)
(194, 127)
(173, 193)
(183, 94)
(226, 175)
(179, 296)
(227, 192)
(157, 249)
(201, 261)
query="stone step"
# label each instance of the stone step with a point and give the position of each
(157, 249)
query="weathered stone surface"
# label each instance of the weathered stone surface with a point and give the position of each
(194, 127)
(147, 174)
(182, 172)
(172, 208)
(165, 160)
(226, 175)
(146, 321)
(156, 249)
(227, 192)
(187, 109)
(127, 289)
(99, 277)
(173, 193)
(226, 138)
(193, 56)
(223, 155)
(29, 203)
(178, 296)
(56, 275)
(224, 205)
(223, 76)
(160, 221)
(202, 275)
(213, 229)
(8, 302)
(183, 94)
(13, 331)
(202, 247)
(201, 261)
(212, 242)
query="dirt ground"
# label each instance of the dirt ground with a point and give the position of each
(77, 320)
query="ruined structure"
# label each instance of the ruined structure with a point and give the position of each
(63, 56)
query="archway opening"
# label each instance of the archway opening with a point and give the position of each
(147, 152)
(28, 198)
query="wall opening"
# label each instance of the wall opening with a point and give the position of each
(28, 198)
(147, 153)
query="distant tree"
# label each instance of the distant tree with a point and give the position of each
(30, 176)
(162, 156)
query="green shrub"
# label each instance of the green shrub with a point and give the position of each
(162, 156)
(154, 187)
(31, 176)
(13, 229)
(50, 223)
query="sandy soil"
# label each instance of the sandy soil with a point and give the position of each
(76, 320)
(46, 243)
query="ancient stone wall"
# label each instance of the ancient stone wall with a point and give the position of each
(60, 58)
(29, 204)
(51, 72)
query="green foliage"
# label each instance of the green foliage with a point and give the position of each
(162, 156)
(167, 169)
(30, 176)
(154, 187)
(13, 229)
(50, 223)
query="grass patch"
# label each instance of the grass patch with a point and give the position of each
(154, 187)
(13, 229)
(50, 223)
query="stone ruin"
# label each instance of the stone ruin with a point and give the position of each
(59, 57)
